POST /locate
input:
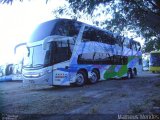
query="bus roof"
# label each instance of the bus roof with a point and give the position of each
(48, 25)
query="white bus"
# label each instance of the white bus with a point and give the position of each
(64, 52)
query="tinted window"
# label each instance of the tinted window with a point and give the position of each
(140, 61)
(56, 27)
(93, 34)
(42, 31)
(102, 58)
(67, 28)
(59, 51)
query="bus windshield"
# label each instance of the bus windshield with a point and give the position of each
(35, 57)
(42, 31)
(58, 51)
(154, 59)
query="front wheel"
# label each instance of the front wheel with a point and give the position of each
(80, 78)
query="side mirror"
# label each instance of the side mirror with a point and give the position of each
(15, 48)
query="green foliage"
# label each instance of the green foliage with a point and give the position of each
(139, 16)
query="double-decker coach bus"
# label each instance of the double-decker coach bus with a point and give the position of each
(64, 51)
(154, 62)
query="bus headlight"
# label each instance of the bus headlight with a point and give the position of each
(44, 72)
(35, 75)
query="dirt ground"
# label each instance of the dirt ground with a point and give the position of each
(140, 95)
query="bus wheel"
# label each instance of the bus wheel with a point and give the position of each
(135, 72)
(81, 78)
(94, 77)
(129, 74)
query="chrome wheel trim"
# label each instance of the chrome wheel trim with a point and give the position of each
(93, 77)
(129, 74)
(79, 79)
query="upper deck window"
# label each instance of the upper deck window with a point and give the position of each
(61, 27)
(67, 28)
(42, 31)
(93, 34)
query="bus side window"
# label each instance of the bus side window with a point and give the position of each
(89, 34)
(140, 61)
(73, 28)
(85, 58)
(60, 51)
(93, 34)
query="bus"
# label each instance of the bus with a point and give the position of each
(64, 52)
(154, 62)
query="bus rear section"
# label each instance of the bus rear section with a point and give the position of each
(154, 62)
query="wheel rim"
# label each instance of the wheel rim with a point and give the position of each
(79, 79)
(93, 77)
(135, 72)
(129, 75)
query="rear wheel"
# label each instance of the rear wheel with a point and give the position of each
(135, 72)
(94, 77)
(129, 74)
(81, 78)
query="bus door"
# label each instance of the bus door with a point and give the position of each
(60, 60)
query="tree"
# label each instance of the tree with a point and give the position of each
(139, 16)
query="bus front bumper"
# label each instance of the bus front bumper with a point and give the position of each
(41, 80)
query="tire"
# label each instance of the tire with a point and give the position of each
(129, 74)
(135, 72)
(94, 77)
(81, 78)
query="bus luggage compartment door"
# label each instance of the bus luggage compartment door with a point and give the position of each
(61, 77)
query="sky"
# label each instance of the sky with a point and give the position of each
(17, 21)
